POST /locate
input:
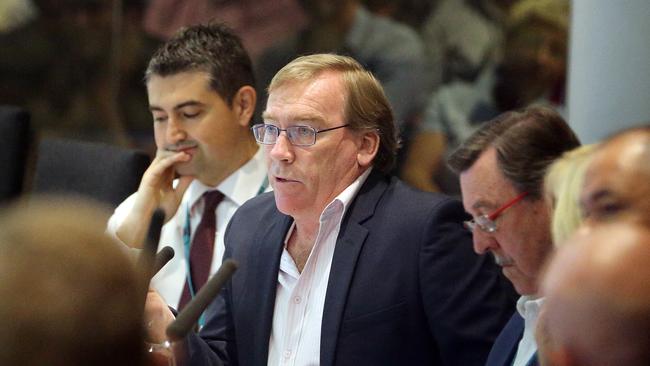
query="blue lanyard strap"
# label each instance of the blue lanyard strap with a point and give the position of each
(187, 245)
(264, 186)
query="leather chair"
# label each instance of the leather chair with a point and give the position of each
(98, 171)
(15, 143)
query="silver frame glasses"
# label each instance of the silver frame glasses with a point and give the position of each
(267, 134)
(486, 222)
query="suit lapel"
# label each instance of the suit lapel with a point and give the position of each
(265, 278)
(351, 239)
(505, 349)
(533, 360)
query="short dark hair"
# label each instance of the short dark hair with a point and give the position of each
(527, 141)
(213, 48)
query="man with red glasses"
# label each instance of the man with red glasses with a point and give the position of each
(501, 168)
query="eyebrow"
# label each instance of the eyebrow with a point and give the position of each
(596, 196)
(483, 204)
(600, 194)
(307, 117)
(189, 103)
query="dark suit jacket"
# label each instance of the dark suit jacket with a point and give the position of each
(505, 347)
(405, 287)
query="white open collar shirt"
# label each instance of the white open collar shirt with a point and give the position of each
(528, 307)
(300, 297)
(240, 186)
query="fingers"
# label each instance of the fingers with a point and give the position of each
(156, 189)
(184, 181)
(171, 198)
(157, 317)
(161, 170)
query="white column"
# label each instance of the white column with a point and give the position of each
(609, 66)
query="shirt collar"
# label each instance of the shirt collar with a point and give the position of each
(528, 306)
(338, 205)
(238, 187)
(345, 198)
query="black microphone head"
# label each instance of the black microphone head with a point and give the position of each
(162, 258)
(153, 234)
(186, 319)
(146, 258)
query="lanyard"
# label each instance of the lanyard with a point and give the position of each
(187, 245)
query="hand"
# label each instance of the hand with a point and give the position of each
(157, 317)
(156, 190)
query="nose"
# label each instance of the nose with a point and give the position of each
(282, 150)
(175, 131)
(483, 242)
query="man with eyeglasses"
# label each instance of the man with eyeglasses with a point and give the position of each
(501, 168)
(342, 264)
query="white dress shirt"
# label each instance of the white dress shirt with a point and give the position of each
(300, 297)
(528, 307)
(240, 186)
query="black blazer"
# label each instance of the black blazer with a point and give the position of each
(405, 287)
(505, 347)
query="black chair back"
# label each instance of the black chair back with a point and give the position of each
(98, 171)
(15, 143)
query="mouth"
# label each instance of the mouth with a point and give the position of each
(284, 180)
(186, 147)
(503, 262)
(187, 150)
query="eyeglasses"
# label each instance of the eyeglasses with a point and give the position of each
(297, 135)
(486, 222)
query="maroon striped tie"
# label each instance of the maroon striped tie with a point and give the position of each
(202, 247)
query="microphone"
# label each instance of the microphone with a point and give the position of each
(153, 237)
(162, 258)
(186, 319)
(153, 234)
(145, 261)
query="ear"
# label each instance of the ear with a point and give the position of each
(243, 104)
(368, 147)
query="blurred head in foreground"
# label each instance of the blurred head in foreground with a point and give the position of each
(68, 294)
(597, 309)
(617, 181)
